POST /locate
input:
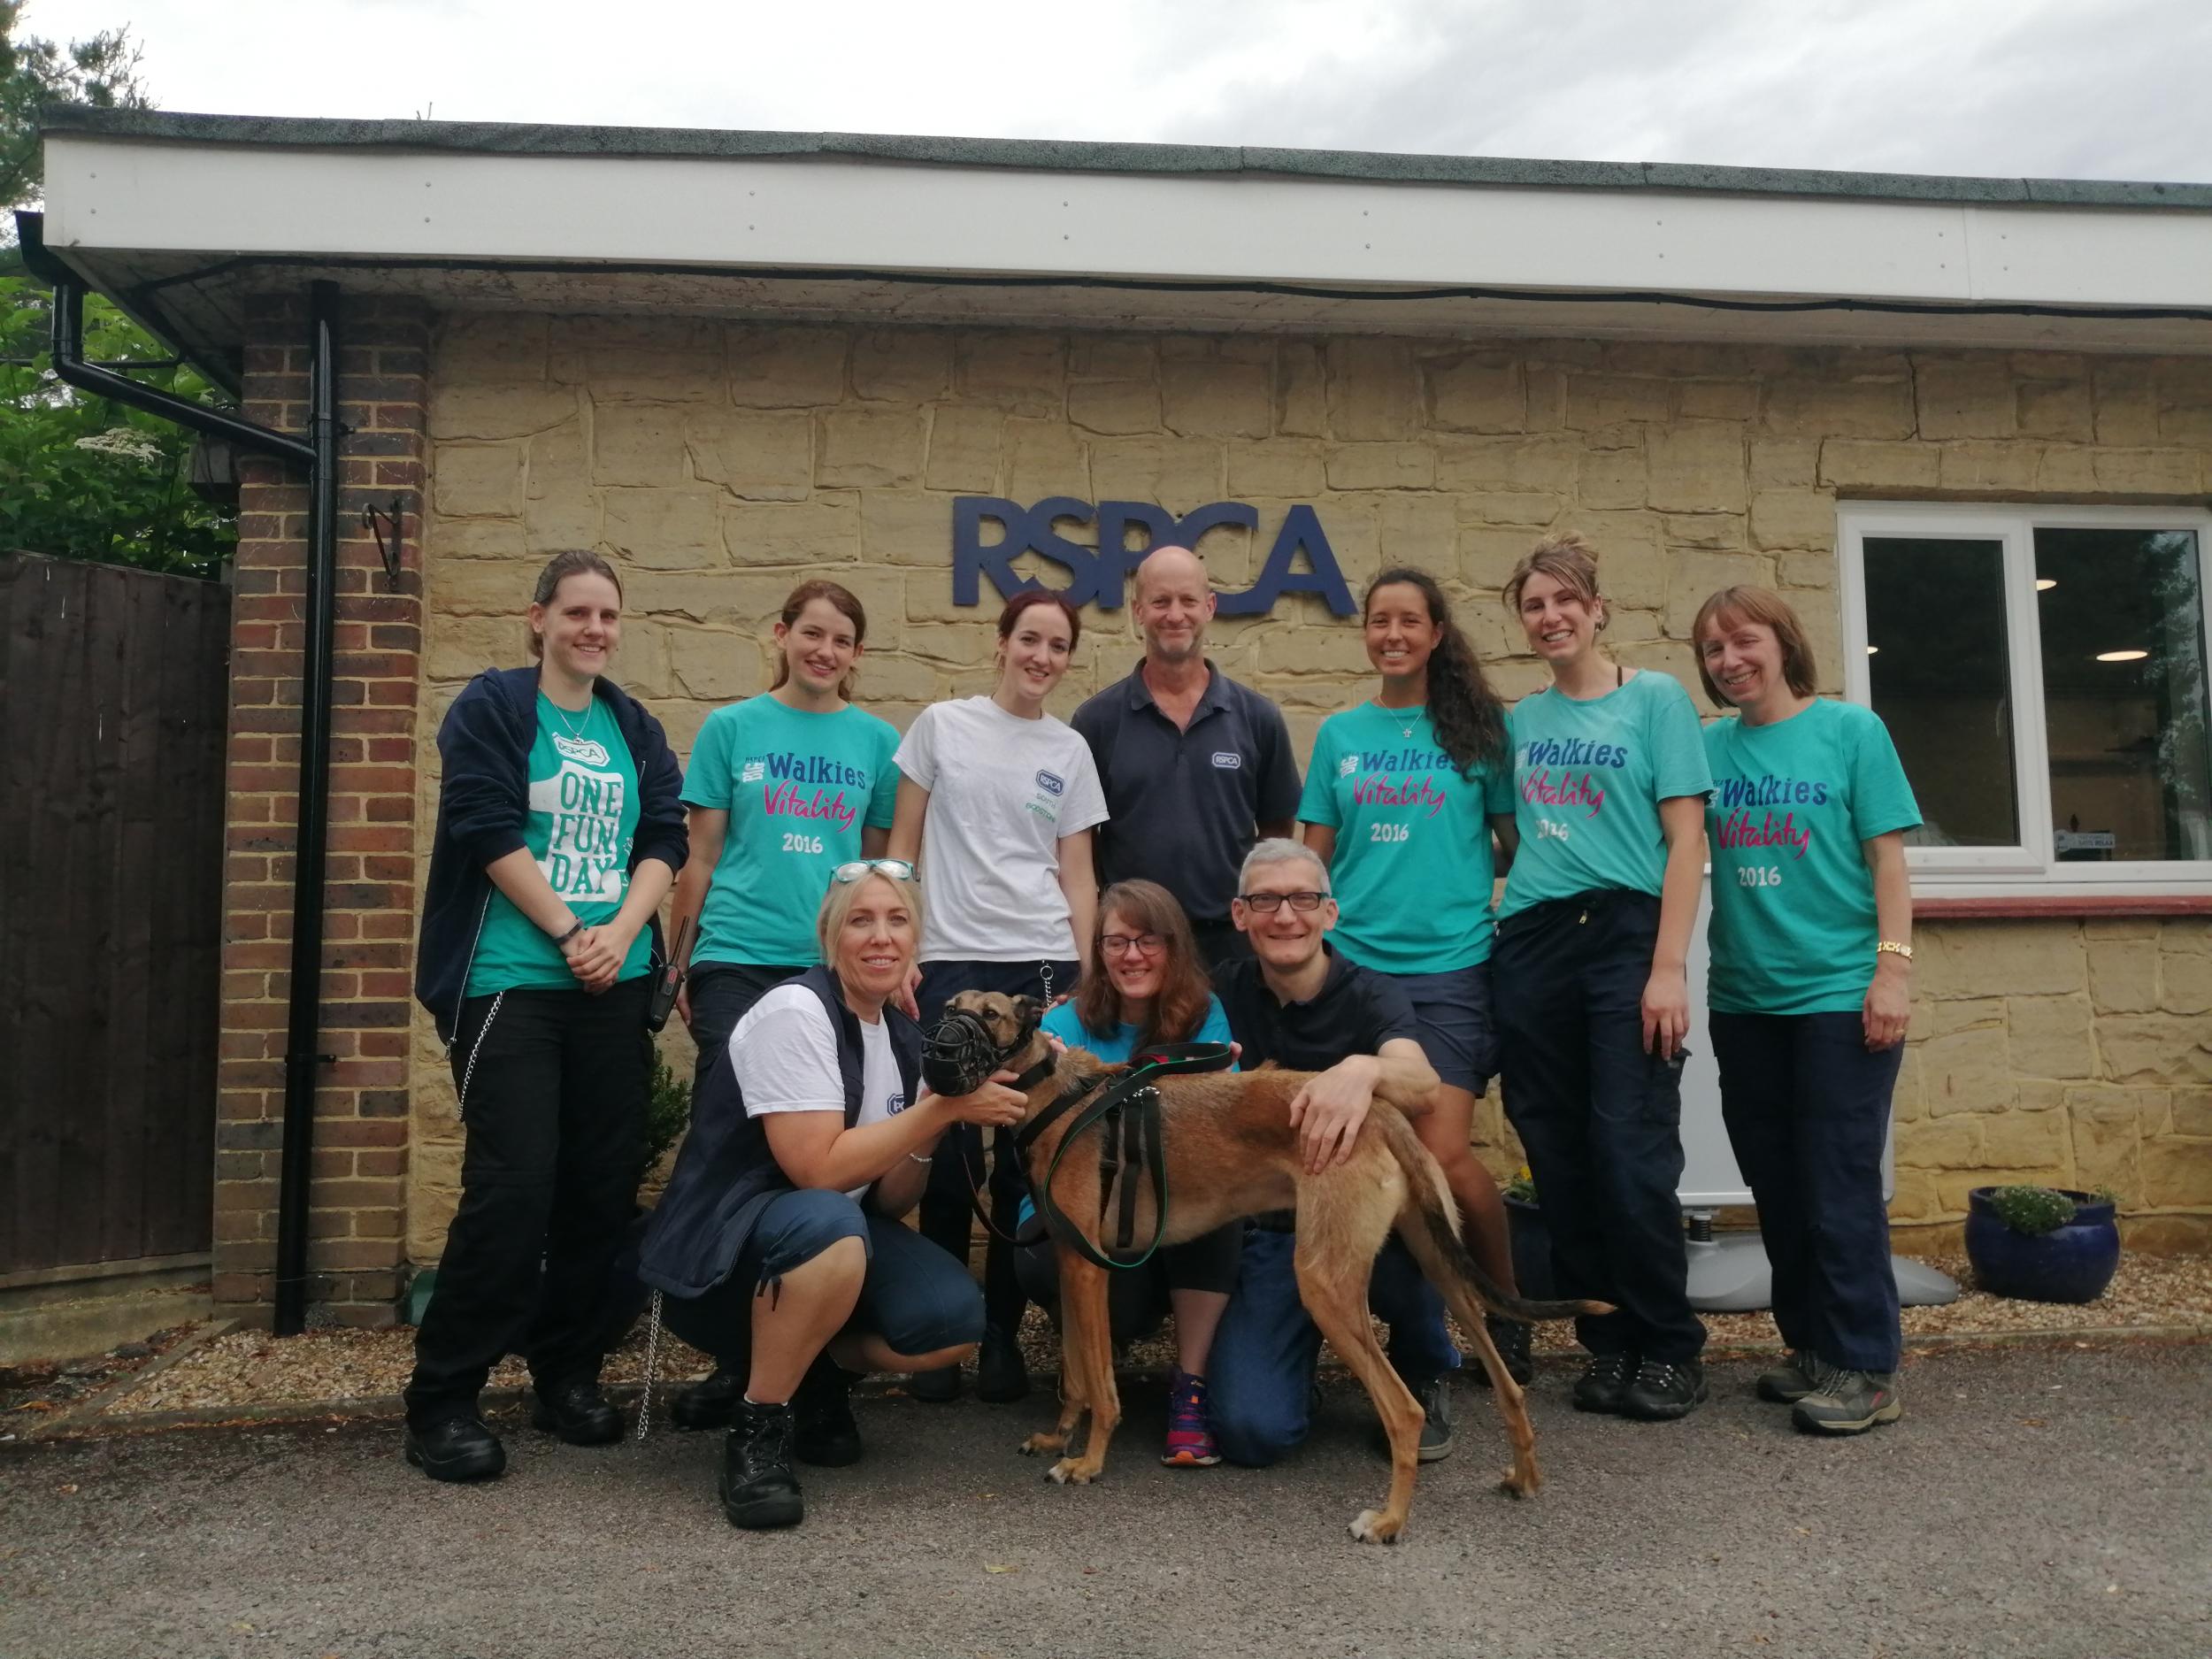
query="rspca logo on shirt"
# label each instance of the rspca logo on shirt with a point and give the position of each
(755, 771)
(1226, 760)
(1052, 783)
(1346, 767)
(583, 750)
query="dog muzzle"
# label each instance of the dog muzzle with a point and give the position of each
(959, 1056)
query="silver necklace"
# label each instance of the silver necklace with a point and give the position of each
(575, 732)
(1406, 730)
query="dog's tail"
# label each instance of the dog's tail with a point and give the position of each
(1430, 1226)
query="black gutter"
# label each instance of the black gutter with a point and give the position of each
(317, 457)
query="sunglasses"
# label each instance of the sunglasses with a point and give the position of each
(897, 869)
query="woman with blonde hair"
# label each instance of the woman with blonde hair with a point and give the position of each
(1809, 994)
(778, 1244)
(1608, 843)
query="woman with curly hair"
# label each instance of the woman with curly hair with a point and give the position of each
(1398, 802)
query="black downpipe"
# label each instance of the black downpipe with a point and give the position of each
(304, 1029)
(317, 457)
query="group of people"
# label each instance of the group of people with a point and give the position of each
(1152, 872)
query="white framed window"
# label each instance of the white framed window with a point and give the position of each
(2043, 672)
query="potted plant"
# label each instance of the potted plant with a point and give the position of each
(2042, 1243)
(1531, 1243)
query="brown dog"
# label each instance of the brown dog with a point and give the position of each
(1230, 1152)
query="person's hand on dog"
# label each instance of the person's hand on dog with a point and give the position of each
(992, 1106)
(1329, 1110)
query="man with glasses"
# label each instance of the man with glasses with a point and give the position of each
(1195, 767)
(1298, 1003)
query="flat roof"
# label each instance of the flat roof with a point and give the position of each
(180, 218)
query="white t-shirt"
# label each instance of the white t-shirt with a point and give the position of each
(1003, 793)
(783, 1053)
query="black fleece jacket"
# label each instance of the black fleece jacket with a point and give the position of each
(484, 801)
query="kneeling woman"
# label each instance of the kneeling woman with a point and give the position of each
(1153, 990)
(779, 1242)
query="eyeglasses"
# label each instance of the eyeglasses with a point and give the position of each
(897, 869)
(1268, 903)
(1123, 944)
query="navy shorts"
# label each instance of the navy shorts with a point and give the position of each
(1457, 1032)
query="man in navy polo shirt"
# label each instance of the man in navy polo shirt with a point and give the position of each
(1307, 1008)
(1195, 766)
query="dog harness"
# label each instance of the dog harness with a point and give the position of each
(1126, 1112)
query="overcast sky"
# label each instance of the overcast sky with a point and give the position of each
(2078, 89)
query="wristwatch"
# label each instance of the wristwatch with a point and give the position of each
(1891, 947)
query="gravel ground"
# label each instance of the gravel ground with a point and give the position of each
(248, 1368)
(2034, 1503)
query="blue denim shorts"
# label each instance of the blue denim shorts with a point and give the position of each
(1457, 1032)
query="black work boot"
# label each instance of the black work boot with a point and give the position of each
(576, 1411)
(1603, 1382)
(707, 1404)
(1512, 1340)
(822, 1427)
(455, 1447)
(758, 1486)
(1001, 1374)
(1663, 1391)
(935, 1386)
(1797, 1376)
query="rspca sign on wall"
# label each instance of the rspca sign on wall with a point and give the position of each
(989, 533)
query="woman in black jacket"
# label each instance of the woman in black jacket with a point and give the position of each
(778, 1243)
(560, 832)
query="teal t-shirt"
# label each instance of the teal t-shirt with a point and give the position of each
(1793, 923)
(1588, 778)
(583, 818)
(799, 786)
(1412, 869)
(1060, 1021)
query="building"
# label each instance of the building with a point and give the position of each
(1965, 424)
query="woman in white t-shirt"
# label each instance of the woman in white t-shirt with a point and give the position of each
(998, 800)
(778, 1244)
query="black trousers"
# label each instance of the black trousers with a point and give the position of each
(1599, 1117)
(722, 993)
(1220, 942)
(1807, 1107)
(554, 1087)
(946, 1206)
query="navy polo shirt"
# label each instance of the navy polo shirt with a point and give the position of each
(1187, 804)
(1355, 1011)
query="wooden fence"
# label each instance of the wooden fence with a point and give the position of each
(112, 691)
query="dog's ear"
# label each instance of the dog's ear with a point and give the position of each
(1028, 1013)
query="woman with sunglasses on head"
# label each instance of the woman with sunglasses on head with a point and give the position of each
(560, 832)
(783, 788)
(1150, 987)
(1398, 804)
(778, 1244)
(1809, 992)
(1608, 844)
(998, 801)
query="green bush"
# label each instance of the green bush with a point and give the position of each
(667, 1111)
(2033, 1210)
(1522, 1188)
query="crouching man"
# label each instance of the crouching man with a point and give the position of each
(1299, 1004)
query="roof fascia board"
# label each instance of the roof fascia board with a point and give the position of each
(772, 212)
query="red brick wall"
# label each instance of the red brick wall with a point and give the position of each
(356, 1224)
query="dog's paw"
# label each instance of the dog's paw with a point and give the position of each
(1514, 1484)
(1040, 1442)
(1070, 1472)
(1374, 1528)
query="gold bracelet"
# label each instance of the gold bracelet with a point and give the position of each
(1891, 947)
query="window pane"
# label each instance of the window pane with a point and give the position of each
(1942, 682)
(2122, 616)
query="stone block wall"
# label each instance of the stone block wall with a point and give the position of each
(721, 463)
(358, 1216)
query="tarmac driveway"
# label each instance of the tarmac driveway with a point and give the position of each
(2033, 1501)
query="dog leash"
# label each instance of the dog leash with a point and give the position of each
(1128, 1109)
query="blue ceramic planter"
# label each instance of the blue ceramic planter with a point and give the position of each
(2071, 1264)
